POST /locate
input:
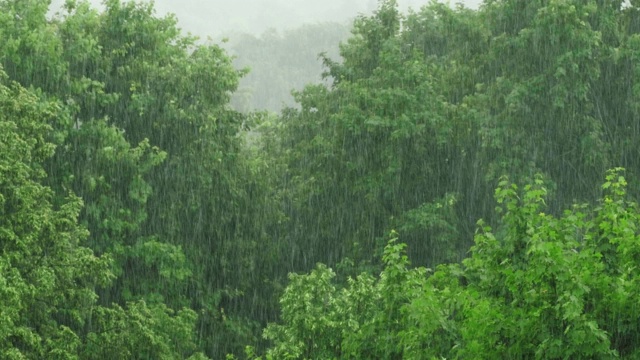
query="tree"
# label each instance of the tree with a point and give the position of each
(377, 149)
(48, 274)
(540, 286)
(149, 142)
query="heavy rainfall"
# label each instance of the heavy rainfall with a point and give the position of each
(319, 179)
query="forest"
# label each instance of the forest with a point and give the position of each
(461, 184)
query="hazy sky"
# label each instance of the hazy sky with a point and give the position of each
(217, 17)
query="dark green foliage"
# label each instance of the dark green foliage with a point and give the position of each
(427, 111)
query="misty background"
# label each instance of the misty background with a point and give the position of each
(277, 40)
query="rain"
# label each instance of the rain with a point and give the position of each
(371, 179)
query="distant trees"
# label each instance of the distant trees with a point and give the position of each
(279, 63)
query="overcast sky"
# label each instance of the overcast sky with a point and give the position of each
(216, 18)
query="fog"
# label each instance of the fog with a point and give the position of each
(278, 40)
(220, 17)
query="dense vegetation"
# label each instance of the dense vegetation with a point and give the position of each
(142, 217)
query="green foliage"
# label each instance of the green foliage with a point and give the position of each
(31, 51)
(541, 287)
(141, 332)
(46, 272)
(535, 275)
(364, 155)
